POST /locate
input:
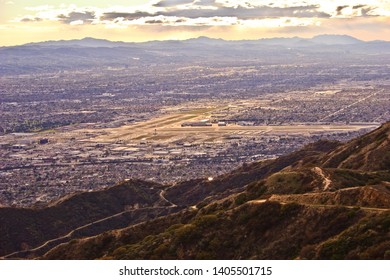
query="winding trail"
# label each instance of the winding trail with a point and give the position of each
(72, 234)
(279, 199)
(326, 181)
(67, 237)
(162, 196)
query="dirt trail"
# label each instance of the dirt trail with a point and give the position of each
(68, 236)
(326, 181)
(279, 199)
(162, 196)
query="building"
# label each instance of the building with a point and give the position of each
(192, 124)
(43, 141)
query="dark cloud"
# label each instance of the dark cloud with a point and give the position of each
(127, 16)
(86, 16)
(36, 19)
(210, 9)
(358, 6)
(340, 8)
(240, 12)
(154, 21)
(365, 9)
(251, 13)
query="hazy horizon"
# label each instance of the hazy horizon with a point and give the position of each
(192, 38)
(36, 21)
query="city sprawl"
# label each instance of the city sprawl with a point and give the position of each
(88, 128)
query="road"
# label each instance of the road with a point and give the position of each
(350, 105)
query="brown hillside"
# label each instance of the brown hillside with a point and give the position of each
(370, 152)
(367, 196)
(267, 230)
(26, 228)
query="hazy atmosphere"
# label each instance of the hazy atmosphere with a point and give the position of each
(24, 21)
(195, 129)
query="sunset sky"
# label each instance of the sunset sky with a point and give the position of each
(23, 21)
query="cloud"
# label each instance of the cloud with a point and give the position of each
(194, 11)
(127, 16)
(72, 17)
(172, 3)
(367, 11)
(249, 13)
(154, 21)
(29, 19)
(181, 13)
(351, 11)
(339, 9)
(77, 22)
(358, 6)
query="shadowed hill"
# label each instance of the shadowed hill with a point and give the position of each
(269, 230)
(23, 228)
(326, 201)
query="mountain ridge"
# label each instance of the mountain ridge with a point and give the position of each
(327, 39)
(90, 53)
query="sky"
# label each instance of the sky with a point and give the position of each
(23, 21)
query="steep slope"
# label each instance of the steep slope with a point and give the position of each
(367, 197)
(22, 229)
(254, 230)
(370, 152)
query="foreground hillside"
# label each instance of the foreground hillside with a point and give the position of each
(254, 230)
(327, 201)
(82, 214)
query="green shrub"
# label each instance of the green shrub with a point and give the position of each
(241, 199)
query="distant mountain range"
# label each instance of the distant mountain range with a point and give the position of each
(327, 201)
(320, 40)
(97, 53)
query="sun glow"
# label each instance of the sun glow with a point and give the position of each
(144, 20)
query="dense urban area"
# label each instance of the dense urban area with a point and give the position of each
(86, 129)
